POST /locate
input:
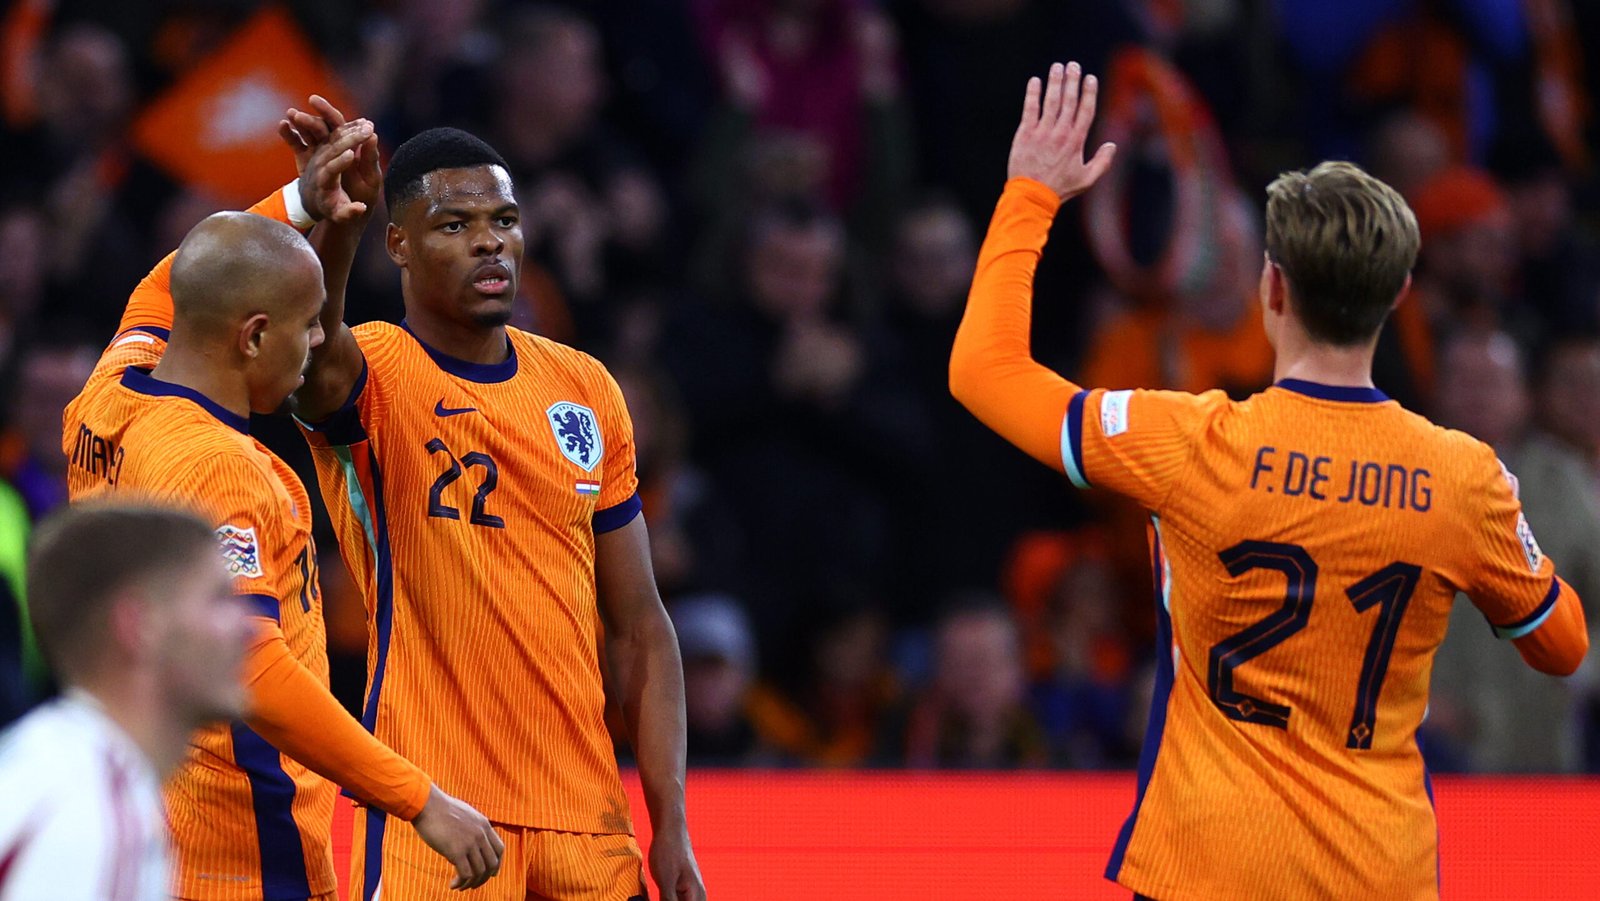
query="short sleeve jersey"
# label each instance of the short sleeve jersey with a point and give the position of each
(1308, 543)
(467, 498)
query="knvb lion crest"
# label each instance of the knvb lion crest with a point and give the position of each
(577, 434)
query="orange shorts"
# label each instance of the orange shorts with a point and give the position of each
(538, 865)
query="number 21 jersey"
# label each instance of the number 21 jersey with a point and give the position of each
(1308, 543)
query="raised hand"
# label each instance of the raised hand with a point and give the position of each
(340, 174)
(462, 836)
(1048, 146)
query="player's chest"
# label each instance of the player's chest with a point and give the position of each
(496, 457)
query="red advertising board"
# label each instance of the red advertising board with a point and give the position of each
(787, 836)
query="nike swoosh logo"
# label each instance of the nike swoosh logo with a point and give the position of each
(440, 409)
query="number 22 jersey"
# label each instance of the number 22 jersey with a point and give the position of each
(467, 498)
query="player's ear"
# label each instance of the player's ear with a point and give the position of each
(130, 624)
(1405, 291)
(1276, 288)
(394, 241)
(252, 333)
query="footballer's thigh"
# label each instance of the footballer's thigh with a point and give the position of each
(389, 861)
(577, 866)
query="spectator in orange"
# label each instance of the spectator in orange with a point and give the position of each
(1464, 274)
(832, 712)
(1080, 660)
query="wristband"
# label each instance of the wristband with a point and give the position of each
(298, 217)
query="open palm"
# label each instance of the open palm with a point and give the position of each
(1048, 146)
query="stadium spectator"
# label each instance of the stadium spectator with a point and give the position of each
(1567, 388)
(1077, 649)
(1505, 716)
(134, 611)
(828, 708)
(780, 380)
(30, 453)
(719, 665)
(827, 70)
(594, 216)
(77, 163)
(1559, 262)
(974, 714)
(23, 233)
(1406, 151)
(951, 528)
(694, 545)
(1463, 279)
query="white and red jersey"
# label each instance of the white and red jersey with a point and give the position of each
(81, 819)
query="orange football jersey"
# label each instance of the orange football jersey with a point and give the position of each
(247, 821)
(1308, 543)
(467, 498)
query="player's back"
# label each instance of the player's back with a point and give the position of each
(1308, 550)
(245, 819)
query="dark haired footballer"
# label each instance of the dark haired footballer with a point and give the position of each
(482, 482)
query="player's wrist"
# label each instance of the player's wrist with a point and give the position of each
(300, 216)
(1034, 191)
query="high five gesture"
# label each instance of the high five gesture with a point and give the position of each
(1049, 143)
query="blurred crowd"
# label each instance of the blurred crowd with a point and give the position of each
(763, 216)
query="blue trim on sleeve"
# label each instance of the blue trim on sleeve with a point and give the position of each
(283, 858)
(142, 382)
(483, 373)
(1533, 620)
(1158, 710)
(343, 427)
(262, 605)
(613, 518)
(1072, 440)
(1345, 393)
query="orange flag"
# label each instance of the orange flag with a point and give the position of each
(216, 128)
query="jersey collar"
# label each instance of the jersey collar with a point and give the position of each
(483, 373)
(142, 382)
(1345, 393)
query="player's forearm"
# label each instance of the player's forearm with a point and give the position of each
(296, 714)
(1558, 646)
(648, 674)
(992, 370)
(336, 365)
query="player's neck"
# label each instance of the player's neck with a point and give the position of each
(485, 344)
(198, 372)
(1325, 364)
(134, 704)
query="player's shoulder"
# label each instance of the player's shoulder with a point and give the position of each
(1196, 408)
(1456, 456)
(554, 358)
(379, 339)
(548, 349)
(54, 745)
(216, 461)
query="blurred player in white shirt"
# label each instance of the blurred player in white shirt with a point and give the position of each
(135, 613)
